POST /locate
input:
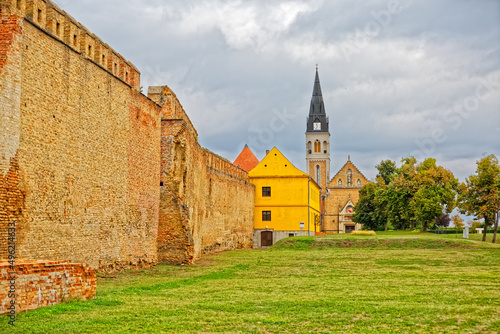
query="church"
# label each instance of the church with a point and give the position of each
(339, 194)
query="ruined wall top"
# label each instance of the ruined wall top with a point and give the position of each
(48, 17)
(171, 107)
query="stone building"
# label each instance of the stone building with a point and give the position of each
(340, 194)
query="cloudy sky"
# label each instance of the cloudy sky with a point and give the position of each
(417, 77)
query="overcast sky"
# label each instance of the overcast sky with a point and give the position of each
(415, 78)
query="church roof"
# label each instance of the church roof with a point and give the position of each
(246, 160)
(349, 162)
(317, 113)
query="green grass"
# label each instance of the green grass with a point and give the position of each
(409, 284)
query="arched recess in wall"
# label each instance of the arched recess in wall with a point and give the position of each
(318, 174)
(317, 146)
(339, 183)
(349, 177)
(358, 182)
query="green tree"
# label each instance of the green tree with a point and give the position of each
(403, 196)
(387, 170)
(366, 211)
(436, 192)
(479, 195)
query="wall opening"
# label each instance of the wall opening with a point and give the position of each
(58, 29)
(39, 16)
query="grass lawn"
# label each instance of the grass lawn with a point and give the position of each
(411, 284)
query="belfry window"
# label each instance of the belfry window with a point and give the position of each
(317, 146)
(318, 174)
(349, 177)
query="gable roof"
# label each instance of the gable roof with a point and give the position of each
(349, 162)
(275, 164)
(246, 160)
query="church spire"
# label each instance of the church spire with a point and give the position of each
(317, 120)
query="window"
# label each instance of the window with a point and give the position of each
(309, 147)
(39, 17)
(318, 171)
(266, 191)
(58, 29)
(103, 60)
(349, 177)
(291, 234)
(90, 50)
(266, 216)
(317, 146)
(339, 183)
(74, 40)
(358, 182)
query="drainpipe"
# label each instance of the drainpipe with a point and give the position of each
(308, 206)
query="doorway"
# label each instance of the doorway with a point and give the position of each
(266, 238)
(349, 229)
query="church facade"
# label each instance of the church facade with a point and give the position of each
(339, 194)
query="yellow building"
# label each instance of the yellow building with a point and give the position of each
(287, 200)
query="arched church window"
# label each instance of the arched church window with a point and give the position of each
(358, 182)
(318, 173)
(339, 183)
(317, 146)
(349, 177)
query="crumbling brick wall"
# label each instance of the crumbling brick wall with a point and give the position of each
(206, 203)
(44, 283)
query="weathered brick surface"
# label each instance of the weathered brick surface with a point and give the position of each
(207, 203)
(80, 154)
(45, 283)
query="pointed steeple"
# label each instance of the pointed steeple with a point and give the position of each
(317, 113)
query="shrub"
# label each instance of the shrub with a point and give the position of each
(363, 233)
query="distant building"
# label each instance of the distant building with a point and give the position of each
(287, 200)
(246, 160)
(343, 194)
(340, 194)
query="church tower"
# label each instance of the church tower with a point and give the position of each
(318, 139)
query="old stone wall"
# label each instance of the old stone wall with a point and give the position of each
(80, 154)
(44, 283)
(207, 203)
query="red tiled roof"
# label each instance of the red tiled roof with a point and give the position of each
(246, 159)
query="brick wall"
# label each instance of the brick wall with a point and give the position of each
(80, 154)
(45, 283)
(207, 203)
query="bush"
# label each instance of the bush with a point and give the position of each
(363, 233)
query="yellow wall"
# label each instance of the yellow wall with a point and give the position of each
(289, 202)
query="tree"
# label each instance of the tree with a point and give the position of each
(443, 221)
(386, 170)
(479, 195)
(403, 196)
(366, 211)
(458, 221)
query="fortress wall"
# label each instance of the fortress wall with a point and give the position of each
(80, 171)
(207, 203)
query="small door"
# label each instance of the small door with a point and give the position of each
(349, 229)
(266, 238)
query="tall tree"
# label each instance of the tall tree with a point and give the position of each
(479, 195)
(387, 170)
